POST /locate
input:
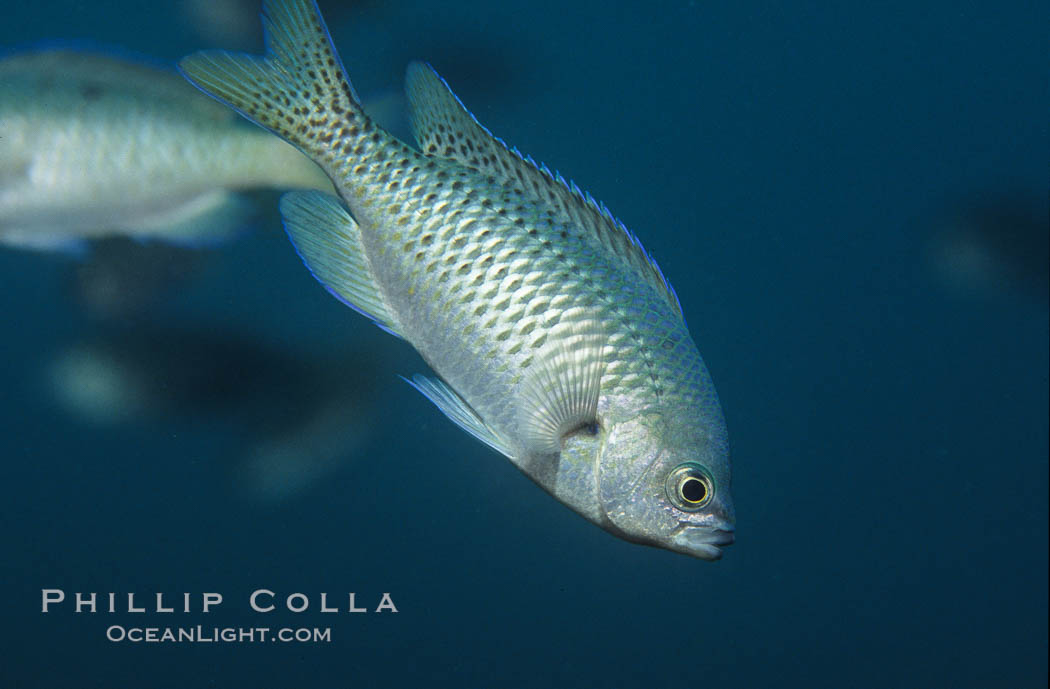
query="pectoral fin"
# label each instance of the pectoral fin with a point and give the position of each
(560, 391)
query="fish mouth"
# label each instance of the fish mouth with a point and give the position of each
(704, 542)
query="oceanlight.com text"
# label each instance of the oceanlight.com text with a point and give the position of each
(200, 634)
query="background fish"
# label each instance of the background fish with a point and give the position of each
(124, 279)
(95, 146)
(298, 415)
(993, 243)
(558, 341)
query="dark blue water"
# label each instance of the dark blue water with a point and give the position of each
(788, 165)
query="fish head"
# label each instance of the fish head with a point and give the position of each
(665, 483)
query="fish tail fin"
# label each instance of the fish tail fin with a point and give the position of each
(298, 91)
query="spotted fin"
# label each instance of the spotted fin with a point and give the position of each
(329, 242)
(298, 91)
(443, 127)
(560, 391)
(456, 408)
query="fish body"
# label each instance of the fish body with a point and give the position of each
(556, 339)
(95, 146)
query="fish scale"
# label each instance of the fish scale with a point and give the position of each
(557, 339)
(429, 246)
(471, 144)
(505, 293)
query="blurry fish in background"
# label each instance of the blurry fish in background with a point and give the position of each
(995, 243)
(287, 463)
(302, 415)
(94, 146)
(122, 278)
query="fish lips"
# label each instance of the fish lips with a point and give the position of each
(704, 542)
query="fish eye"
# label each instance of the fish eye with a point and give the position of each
(689, 487)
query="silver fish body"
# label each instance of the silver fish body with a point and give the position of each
(95, 146)
(557, 340)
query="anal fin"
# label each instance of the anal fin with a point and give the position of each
(329, 242)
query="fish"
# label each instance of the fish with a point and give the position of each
(992, 242)
(555, 338)
(95, 146)
(124, 279)
(298, 415)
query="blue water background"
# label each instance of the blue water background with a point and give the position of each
(782, 162)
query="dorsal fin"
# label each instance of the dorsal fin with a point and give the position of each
(443, 127)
